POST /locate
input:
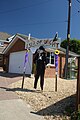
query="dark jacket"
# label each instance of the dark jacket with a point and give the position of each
(40, 61)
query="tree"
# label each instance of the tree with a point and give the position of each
(74, 45)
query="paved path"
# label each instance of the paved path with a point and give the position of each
(11, 107)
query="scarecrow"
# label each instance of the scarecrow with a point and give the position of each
(40, 61)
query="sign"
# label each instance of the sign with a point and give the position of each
(32, 43)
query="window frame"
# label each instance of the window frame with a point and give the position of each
(50, 64)
(1, 43)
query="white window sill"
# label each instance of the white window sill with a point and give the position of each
(52, 65)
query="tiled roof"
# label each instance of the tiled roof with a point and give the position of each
(26, 37)
(4, 35)
(70, 53)
(23, 36)
(62, 51)
(1, 49)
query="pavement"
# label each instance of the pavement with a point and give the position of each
(12, 107)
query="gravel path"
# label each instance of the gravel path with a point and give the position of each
(48, 103)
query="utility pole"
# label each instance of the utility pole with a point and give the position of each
(68, 39)
(78, 87)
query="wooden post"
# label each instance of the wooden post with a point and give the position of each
(56, 65)
(23, 79)
(78, 86)
(56, 82)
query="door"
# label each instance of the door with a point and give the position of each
(16, 62)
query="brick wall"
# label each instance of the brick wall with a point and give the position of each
(18, 46)
(50, 72)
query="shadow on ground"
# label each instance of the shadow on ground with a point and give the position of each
(18, 89)
(65, 106)
(11, 75)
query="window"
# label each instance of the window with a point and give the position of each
(50, 58)
(2, 44)
(1, 58)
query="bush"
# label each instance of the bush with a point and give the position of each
(75, 115)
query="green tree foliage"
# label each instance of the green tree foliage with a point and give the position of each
(74, 45)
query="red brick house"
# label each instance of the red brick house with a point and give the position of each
(3, 43)
(14, 55)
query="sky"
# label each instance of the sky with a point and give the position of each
(40, 18)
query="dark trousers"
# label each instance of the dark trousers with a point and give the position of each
(37, 75)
